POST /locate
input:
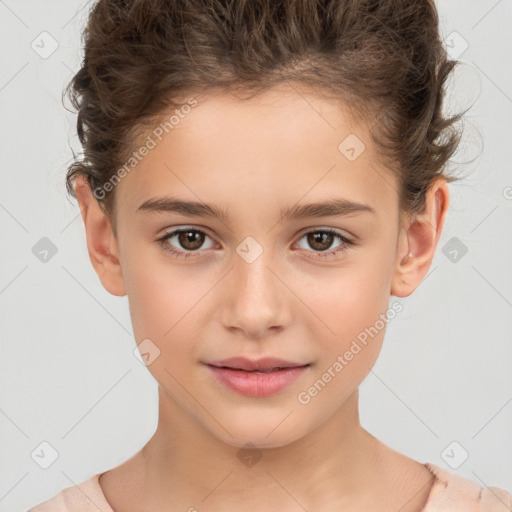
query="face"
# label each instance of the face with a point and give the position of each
(310, 289)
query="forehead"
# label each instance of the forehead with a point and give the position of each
(270, 150)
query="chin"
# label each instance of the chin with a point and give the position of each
(251, 441)
(263, 435)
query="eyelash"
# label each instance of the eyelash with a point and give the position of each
(328, 254)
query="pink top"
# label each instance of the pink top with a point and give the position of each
(449, 492)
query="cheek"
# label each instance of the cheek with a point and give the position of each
(351, 305)
(348, 301)
(151, 306)
(348, 339)
(164, 306)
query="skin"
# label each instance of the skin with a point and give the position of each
(252, 158)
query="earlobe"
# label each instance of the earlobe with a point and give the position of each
(418, 241)
(101, 241)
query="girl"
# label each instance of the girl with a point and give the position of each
(261, 178)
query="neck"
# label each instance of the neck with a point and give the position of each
(185, 464)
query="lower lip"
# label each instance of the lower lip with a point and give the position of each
(257, 384)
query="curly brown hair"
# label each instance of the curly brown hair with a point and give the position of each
(383, 58)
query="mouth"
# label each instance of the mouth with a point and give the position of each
(257, 378)
(270, 370)
(263, 365)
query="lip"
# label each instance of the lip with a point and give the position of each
(241, 374)
(264, 363)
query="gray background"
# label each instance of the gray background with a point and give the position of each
(442, 386)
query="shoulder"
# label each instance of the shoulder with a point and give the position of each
(450, 490)
(84, 497)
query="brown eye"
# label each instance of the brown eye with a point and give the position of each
(320, 243)
(190, 240)
(320, 240)
(184, 242)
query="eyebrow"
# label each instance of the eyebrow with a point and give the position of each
(332, 207)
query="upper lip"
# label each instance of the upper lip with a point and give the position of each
(265, 363)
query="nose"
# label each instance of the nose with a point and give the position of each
(257, 300)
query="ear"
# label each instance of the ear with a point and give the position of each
(418, 240)
(101, 241)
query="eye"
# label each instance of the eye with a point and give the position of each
(321, 241)
(190, 239)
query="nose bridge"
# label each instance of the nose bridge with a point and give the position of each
(256, 301)
(254, 280)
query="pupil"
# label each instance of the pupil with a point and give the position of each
(190, 239)
(320, 241)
